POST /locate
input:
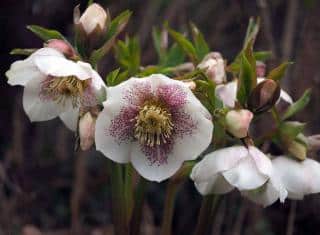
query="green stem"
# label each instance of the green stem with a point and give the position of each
(138, 207)
(206, 214)
(172, 189)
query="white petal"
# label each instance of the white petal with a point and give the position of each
(154, 172)
(107, 144)
(227, 93)
(206, 173)
(62, 67)
(70, 118)
(37, 109)
(286, 97)
(312, 173)
(292, 176)
(262, 162)
(246, 175)
(23, 71)
(99, 86)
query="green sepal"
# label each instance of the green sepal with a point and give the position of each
(297, 106)
(45, 34)
(278, 72)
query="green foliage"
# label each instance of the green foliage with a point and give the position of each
(289, 130)
(296, 107)
(252, 31)
(262, 55)
(200, 43)
(21, 51)
(277, 73)
(45, 34)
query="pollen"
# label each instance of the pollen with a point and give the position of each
(153, 124)
(60, 89)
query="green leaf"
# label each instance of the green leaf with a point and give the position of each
(156, 36)
(277, 73)
(289, 130)
(200, 43)
(185, 44)
(262, 55)
(115, 28)
(20, 51)
(245, 84)
(90, 2)
(252, 31)
(111, 77)
(248, 51)
(298, 105)
(174, 56)
(45, 34)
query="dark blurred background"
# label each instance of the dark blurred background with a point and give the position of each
(46, 188)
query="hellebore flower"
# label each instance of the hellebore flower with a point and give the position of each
(300, 178)
(238, 122)
(55, 86)
(94, 18)
(233, 167)
(227, 93)
(213, 64)
(155, 123)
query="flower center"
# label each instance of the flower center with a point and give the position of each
(60, 88)
(153, 124)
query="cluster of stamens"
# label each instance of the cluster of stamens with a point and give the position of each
(59, 89)
(153, 124)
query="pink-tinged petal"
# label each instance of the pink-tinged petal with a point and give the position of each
(112, 134)
(39, 109)
(70, 118)
(62, 67)
(262, 162)
(227, 93)
(207, 173)
(292, 176)
(154, 171)
(22, 71)
(246, 175)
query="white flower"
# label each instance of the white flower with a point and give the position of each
(300, 178)
(233, 167)
(155, 123)
(213, 64)
(238, 122)
(93, 17)
(227, 93)
(55, 86)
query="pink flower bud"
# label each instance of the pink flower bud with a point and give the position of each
(86, 131)
(238, 122)
(61, 46)
(94, 17)
(260, 69)
(213, 64)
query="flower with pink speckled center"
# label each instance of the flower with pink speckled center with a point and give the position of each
(155, 123)
(55, 86)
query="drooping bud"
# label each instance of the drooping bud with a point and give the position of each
(86, 131)
(94, 18)
(298, 150)
(260, 69)
(238, 122)
(264, 96)
(62, 46)
(213, 64)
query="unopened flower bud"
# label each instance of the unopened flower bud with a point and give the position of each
(264, 96)
(62, 46)
(260, 69)
(86, 131)
(238, 122)
(213, 64)
(298, 150)
(94, 18)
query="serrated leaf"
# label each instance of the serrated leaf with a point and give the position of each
(185, 44)
(200, 43)
(110, 79)
(298, 105)
(245, 84)
(290, 130)
(21, 51)
(45, 34)
(277, 73)
(262, 55)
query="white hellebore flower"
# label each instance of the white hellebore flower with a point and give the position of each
(213, 64)
(300, 178)
(234, 167)
(155, 123)
(238, 122)
(227, 93)
(93, 17)
(55, 86)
